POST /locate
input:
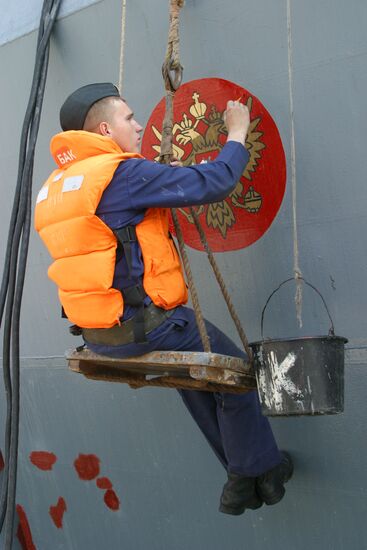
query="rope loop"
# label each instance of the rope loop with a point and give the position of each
(172, 72)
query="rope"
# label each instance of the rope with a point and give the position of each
(190, 279)
(172, 63)
(296, 268)
(122, 44)
(172, 58)
(222, 285)
(171, 83)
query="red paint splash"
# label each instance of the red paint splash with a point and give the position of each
(24, 531)
(103, 483)
(87, 466)
(43, 459)
(57, 512)
(2, 463)
(111, 500)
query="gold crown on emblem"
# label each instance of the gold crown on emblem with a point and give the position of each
(214, 114)
(197, 109)
(185, 123)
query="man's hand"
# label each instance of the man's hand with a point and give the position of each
(176, 162)
(237, 120)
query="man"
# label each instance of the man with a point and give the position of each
(131, 300)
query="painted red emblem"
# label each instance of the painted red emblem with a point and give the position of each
(199, 135)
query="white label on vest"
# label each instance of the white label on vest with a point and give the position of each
(42, 195)
(72, 184)
(58, 176)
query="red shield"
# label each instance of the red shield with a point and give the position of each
(199, 134)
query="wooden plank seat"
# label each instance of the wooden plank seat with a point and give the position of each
(176, 369)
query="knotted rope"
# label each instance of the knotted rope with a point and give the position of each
(172, 82)
(172, 63)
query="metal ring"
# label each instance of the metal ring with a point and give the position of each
(172, 76)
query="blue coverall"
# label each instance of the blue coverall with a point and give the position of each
(233, 424)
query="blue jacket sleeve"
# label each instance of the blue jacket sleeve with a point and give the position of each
(151, 184)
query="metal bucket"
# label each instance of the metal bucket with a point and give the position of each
(300, 376)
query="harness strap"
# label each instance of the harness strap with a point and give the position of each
(133, 295)
(125, 237)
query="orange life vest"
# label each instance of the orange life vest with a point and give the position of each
(84, 247)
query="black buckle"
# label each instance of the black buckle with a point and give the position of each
(126, 234)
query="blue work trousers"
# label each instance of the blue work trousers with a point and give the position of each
(233, 424)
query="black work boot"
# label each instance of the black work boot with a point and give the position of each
(238, 494)
(270, 485)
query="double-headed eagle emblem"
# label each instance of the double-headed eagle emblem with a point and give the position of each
(204, 147)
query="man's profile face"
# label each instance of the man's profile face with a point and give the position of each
(123, 128)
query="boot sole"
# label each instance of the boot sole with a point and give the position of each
(238, 511)
(274, 500)
(231, 511)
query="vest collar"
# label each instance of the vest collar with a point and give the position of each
(73, 146)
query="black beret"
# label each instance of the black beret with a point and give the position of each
(75, 109)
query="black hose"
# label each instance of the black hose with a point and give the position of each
(12, 285)
(24, 228)
(42, 45)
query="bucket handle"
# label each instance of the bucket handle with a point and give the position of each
(331, 329)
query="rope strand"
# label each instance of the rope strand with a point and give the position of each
(172, 63)
(122, 44)
(194, 296)
(222, 285)
(296, 268)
